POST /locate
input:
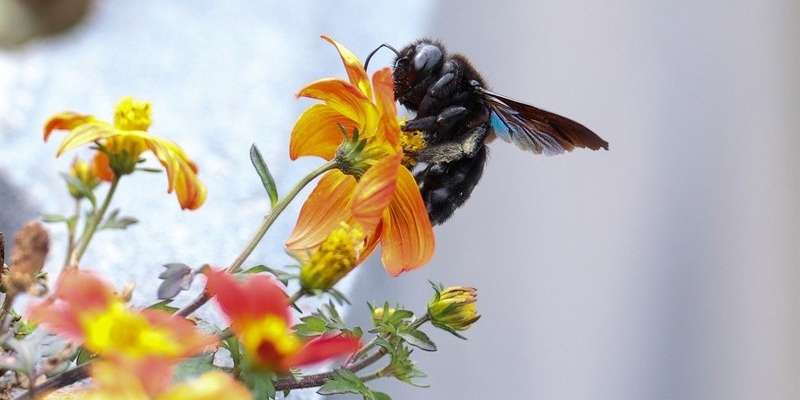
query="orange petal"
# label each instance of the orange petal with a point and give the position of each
(384, 99)
(407, 236)
(181, 172)
(384, 90)
(355, 71)
(326, 206)
(66, 120)
(317, 132)
(102, 167)
(370, 243)
(342, 97)
(374, 191)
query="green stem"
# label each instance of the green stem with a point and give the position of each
(269, 219)
(274, 213)
(296, 296)
(97, 217)
(73, 221)
(421, 320)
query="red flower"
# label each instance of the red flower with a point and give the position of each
(260, 316)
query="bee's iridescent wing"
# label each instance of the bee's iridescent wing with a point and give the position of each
(536, 130)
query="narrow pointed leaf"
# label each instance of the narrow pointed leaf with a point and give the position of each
(263, 172)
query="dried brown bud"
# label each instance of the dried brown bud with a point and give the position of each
(31, 244)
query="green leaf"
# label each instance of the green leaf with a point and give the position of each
(417, 339)
(380, 395)
(112, 222)
(264, 174)
(50, 218)
(261, 385)
(194, 367)
(335, 386)
(232, 344)
(163, 306)
(177, 277)
(81, 187)
(312, 325)
(343, 381)
(84, 356)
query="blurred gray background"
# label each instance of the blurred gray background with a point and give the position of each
(666, 267)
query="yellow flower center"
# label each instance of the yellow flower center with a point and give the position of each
(132, 115)
(119, 330)
(269, 340)
(335, 258)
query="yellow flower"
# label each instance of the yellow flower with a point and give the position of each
(370, 186)
(123, 143)
(334, 259)
(118, 381)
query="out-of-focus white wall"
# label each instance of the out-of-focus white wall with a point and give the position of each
(666, 267)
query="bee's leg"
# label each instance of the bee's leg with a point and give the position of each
(465, 147)
(445, 118)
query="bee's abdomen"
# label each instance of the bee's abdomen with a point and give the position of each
(446, 186)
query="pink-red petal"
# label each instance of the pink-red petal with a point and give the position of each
(321, 349)
(246, 301)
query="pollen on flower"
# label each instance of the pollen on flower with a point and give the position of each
(411, 142)
(132, 115)
(335, 258)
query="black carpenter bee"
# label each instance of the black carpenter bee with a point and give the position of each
(456, 114)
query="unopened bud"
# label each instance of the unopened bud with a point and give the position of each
(453, 309)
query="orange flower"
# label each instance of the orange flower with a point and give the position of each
(86, 310)
(370, 187)
(122, 144)
(260, 316)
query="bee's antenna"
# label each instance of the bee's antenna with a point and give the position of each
(366, 63)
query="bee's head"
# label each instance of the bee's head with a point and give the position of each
(414, 69)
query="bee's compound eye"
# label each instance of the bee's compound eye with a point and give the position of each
(427, 57)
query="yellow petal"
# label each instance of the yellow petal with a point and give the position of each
(374, 191)
(326, 206)
(317, 132)
(407, 236)
(86, 133)
(355, 71)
